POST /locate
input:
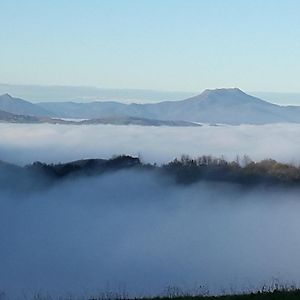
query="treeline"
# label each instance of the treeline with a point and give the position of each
(186, 170)
(242, 171)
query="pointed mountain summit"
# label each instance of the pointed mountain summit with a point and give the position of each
(228, 95)
(224, 105)
(228, 106)
(20, 106)
(233, 106)
(222, 91)
(6, 96)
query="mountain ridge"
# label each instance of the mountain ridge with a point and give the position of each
(21, 107)
(25, 119)
(223, 105)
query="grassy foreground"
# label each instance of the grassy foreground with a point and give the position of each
(289, 294)
(259, 295)
(276, 295)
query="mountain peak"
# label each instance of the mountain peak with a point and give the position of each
(223, 91)
(6, 96)
(20, 107)
(226, 96)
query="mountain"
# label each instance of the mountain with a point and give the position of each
(90, 110)
(40, 175)
(21, 107)
(137, 121)
(229, 106)
(13, 118)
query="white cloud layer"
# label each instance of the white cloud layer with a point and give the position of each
(138, 231)
(52, 143)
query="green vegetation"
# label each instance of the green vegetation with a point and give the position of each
(242, 171)
(185, 170)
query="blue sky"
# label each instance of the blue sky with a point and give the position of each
(183, 45)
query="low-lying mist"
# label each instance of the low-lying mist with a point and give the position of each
(137, 231)
(24, 144)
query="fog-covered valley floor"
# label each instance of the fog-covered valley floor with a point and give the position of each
(25, 143)
(139, 231)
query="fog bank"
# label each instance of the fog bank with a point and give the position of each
(138, 231)
(141, 233)
(58, 143)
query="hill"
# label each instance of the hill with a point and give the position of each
(21, 107)
(228, 106)
(249, 174)
(7, 117)
(225, 106)
(136, 121)
(14, 118)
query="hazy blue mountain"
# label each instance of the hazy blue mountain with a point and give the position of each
(85, 110)
(17, 118)
(14, 118)
(21, 107)
(229, 106)
(137, 121)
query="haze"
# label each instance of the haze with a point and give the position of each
(136, 233)
(23, 144)
(118, 228)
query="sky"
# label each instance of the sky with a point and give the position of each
(176, 45)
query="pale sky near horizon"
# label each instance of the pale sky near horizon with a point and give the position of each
(182, 45)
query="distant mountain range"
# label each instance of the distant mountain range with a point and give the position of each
(42, 93)
(226, 106)
(21, 107)
(14, 118)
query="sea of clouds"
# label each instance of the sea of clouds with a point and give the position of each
(24, 144)
(137, 232)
